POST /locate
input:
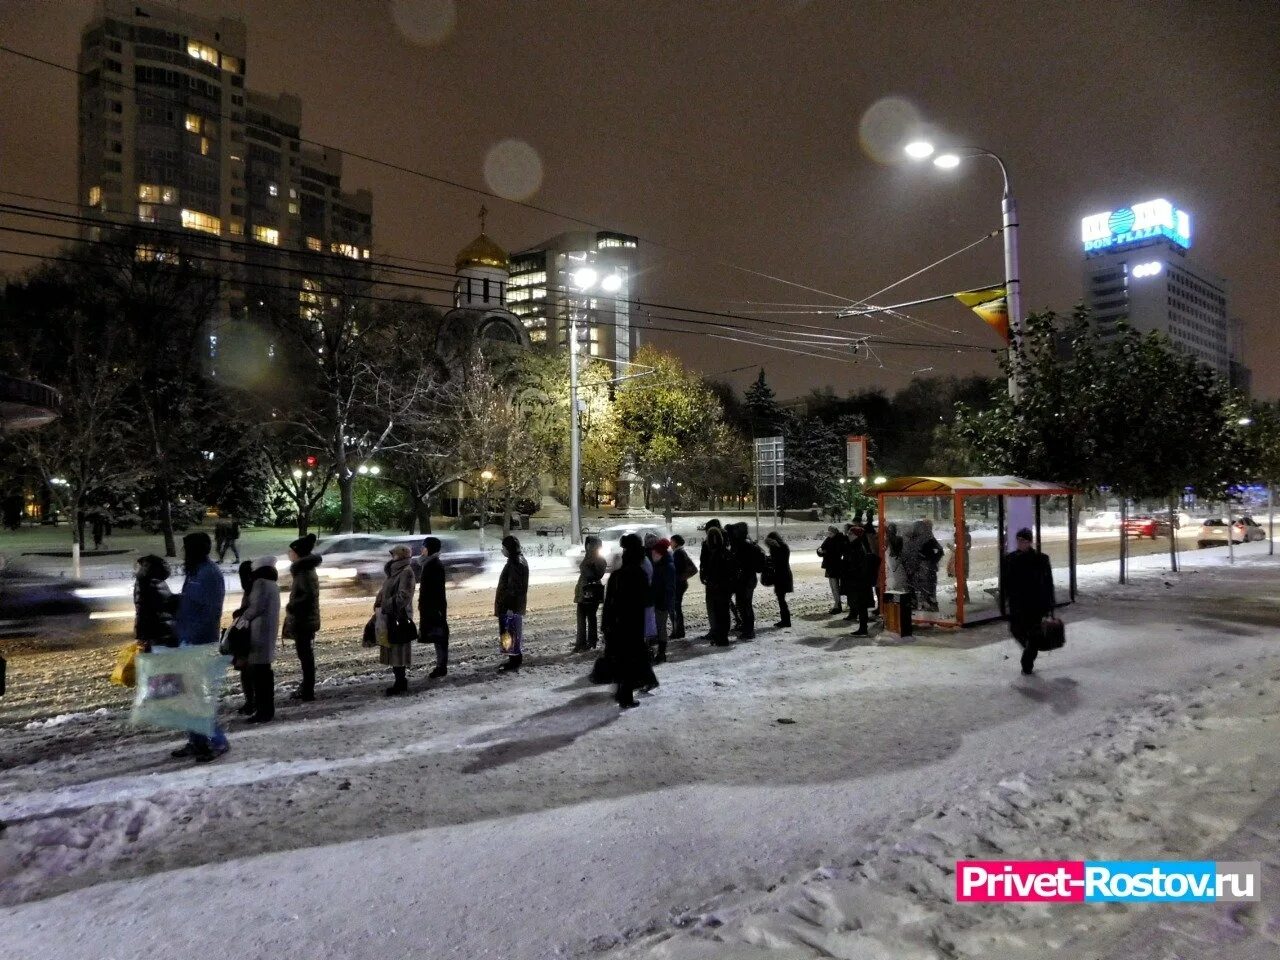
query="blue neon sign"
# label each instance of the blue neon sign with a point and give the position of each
(1136, 224)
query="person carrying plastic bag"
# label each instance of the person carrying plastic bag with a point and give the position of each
(177, 689)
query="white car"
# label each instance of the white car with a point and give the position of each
(1103, 521)
(1213, 533)
(347, 557)
(610, 542)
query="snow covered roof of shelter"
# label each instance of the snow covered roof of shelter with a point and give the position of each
(976, 485)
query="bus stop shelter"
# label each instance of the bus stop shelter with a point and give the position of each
(943, 538)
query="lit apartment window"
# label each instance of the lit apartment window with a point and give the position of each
(154, 193)
(293, 207)
(146, 213)
(365, 253)
(230, 64)
(205, 222)
(202, 51)
(313, 243)
(346, 249)
(273, 189)
(95, 196)
(293, 194)
(204, 146)
(193, 122)
(236, 227)
(267, 235)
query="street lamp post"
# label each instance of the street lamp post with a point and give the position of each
(920, 150)
(584, 279)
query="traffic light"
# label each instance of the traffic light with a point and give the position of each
(311, 461)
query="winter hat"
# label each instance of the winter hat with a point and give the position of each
(153, 568)
(400, 551)
(263, 562)
(1025, 534)
(431, 545)
(512, 545)
(663, 545)
(304, 545)
(197, 544)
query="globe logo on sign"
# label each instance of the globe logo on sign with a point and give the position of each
(1121, 221)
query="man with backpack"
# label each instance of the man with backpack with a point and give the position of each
(686, 570)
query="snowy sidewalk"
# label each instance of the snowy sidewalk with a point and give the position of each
(526, 818)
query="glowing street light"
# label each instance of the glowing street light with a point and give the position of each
(486, 475)
(921, 150)
(1245, 422)
(585, 278)
(881, 479)
(612, 283)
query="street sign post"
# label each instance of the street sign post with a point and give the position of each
(856, 457)
(770, 462)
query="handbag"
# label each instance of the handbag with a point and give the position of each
(769, 575)
(124, 673)
(1053, 634)
(370, 636)
(236, 640)
(403, 630)
(592, 592)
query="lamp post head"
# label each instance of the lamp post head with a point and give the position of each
(1245, 421)
(946, 161)
(584, 278)
(486, 475)
(918, 149)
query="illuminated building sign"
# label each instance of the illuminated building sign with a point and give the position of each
(1147, 269)
(1136, 224)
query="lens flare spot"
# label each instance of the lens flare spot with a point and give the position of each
(886, 126)
(513, 170)
(425, 22)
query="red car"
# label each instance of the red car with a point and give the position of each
(1150, 527)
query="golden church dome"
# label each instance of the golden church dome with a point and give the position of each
(482, 252)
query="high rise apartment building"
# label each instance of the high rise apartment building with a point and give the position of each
(171, 136)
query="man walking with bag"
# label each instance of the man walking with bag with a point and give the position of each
(1028, 589)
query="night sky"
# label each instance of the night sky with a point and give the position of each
(730, 133)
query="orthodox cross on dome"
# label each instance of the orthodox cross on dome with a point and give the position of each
(484, 212)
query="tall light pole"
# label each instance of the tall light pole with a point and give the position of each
(584, 279)
(921, 150)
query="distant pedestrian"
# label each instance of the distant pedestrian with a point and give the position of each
(746, 562)
(433, 605)
(686, 570)
(510, 603)
(241, 662)
(199, 622)
(302, 612)
(780, 574)
(153, 604)
(717, 575)
(261, 615)
(625, 600)
(588, 594)
(98, 524)
(663, 592)
(1028, 589)
(226, 534)
(726, 549)
(832, 554)
(13, 505)
(395, 604)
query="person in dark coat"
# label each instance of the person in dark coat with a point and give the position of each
(832, 554)
(245, 572)
(1027, 580)
(714, 524)
(153, 604)
(511, 601)
(686, 570)
(663, 593)
(433, 605)
(861, 568)
(783, 581)
(626, 597)
(588, 594)
(226, 533)
(302, 612)
(199, 622)
(717, 574)
(746, 561)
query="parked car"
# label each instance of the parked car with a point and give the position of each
(1103, 521)
(610, 538)
(1213, 532)
(1150, 527)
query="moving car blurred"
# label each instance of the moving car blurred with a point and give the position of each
(610, 538)
(1213, 532)
(1150, 527)
(360, 558)
(32, 603)
(1103, 521)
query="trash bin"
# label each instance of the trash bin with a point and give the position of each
(897, 607)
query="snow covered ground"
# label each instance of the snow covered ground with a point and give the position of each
(801, 796)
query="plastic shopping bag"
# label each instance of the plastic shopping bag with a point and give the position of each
(178, 688)
(124, 673)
